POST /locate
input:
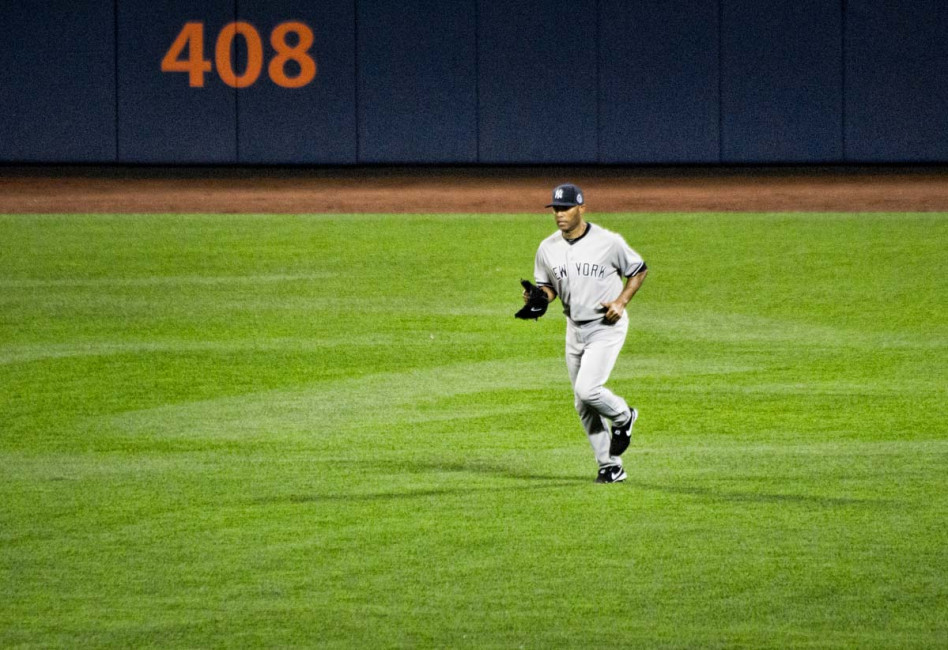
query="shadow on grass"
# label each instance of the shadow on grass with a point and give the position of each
(407, 494)
(525, 481)
(481, 467)
(758, 497)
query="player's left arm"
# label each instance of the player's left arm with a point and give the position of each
(616, 308)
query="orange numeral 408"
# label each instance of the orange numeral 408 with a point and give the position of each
(191, 37)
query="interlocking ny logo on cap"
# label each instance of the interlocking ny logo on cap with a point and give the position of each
(566, 195)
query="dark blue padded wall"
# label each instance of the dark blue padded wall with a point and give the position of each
(781, 91)
(659, 101)
(537, 81)
(316, 122)
(417, 81)
(161, 118)
(896, 81)
(480, 81)
(57, 81)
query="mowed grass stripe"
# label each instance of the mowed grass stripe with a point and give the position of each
(329, 431)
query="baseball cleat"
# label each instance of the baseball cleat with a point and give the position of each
(611, 474)
(622, 436)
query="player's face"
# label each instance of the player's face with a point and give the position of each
(568, 219)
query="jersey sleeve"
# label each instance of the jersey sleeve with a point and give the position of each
(540, 272)
(628, 262)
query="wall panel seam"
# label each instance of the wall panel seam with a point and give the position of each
(843, 61)
(477, 81)
(233, 46)
(115, 62)
(720, 81)
(356, 85)
(598, 83)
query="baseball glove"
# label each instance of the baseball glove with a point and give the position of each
(537, 301)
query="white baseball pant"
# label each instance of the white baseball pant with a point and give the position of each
(591, 352)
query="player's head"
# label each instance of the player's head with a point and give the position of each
(566, 196)
(568, 205)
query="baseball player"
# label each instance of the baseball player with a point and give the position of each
(595, 274)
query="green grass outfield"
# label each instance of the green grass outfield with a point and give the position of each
(330, 431)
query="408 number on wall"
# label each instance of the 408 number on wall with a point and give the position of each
(191, 39)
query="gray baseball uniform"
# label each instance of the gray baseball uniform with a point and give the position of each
(584, 273)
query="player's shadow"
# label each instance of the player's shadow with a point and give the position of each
(453, 484)
(760, 497)
(524, 481)
(490, 469)
(402, 495)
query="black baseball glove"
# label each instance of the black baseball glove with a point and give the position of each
(537, 301)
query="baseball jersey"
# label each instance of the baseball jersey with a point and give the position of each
(587, 271)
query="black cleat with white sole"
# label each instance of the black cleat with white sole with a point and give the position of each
(622, 436)
(611, 474)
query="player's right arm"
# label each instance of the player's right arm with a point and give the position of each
(541, 275)
(550, 294)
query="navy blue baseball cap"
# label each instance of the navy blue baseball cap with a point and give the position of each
(566, 196)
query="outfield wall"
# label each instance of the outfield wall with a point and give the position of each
(474, 81)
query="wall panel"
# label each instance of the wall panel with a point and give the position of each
(658, 81)
(537, 81)
(161, 117)
(417, 81)
(314, 123)
(897, 81)
(781, 91)
(57, 81)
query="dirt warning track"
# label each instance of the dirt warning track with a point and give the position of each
(466, 189)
